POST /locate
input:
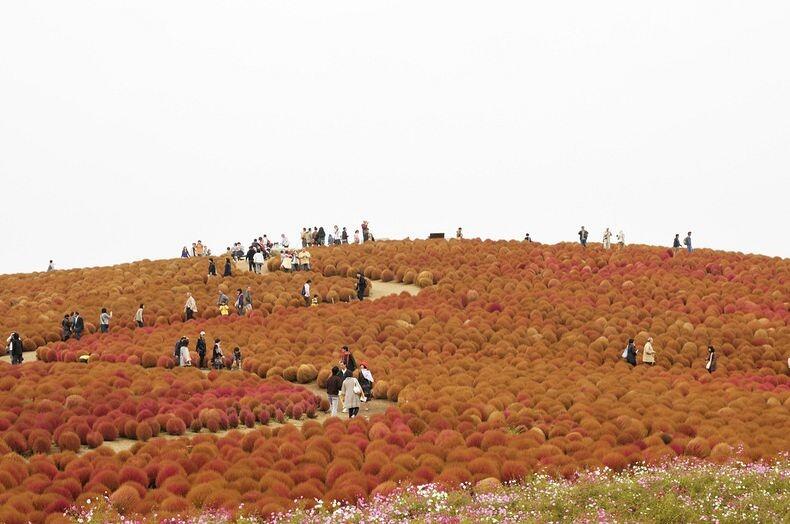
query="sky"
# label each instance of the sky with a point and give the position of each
(129, 129)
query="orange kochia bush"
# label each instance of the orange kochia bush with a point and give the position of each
(509, 363)
(71, 404)
(34, 304)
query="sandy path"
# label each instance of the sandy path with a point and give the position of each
(369, 408)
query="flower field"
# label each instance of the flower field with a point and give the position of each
(505, 366)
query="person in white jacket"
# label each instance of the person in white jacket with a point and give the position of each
(607, 239)
(621, 239)
(257, 259)
(190, 307)
(184, 358)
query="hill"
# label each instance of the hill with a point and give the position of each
(506, 363)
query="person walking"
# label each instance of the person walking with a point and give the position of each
(607, 239)
(333, 385)
(630, 352)
(648, 353)
(247, 300)
(184, 360)
(51, 266)
(687, 242)
(212, 268)
(306, 292)
(250, 256)
(583, 237)
(351, 395)
(15, 348)
(138, 316)
(356, 236)
(257, 259)
(365, 231)
(104, 320)
(344, 236)
(228, 271)
(190, 307)
(676, 243)
(200, 347)
(459, 234)
(223, 299)
(239, 303)
(65, 328)
(77, 325)
(362, 284)
(710, 365)
(620, 240)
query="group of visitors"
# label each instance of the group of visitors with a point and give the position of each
(607, 238)
(183, 359)
(226, 272)
(345, 389)
(686, 242)
(295, 260)
(649, 354)
(317, 236)
(73, 324)
(198, 250)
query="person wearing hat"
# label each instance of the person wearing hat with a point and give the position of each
(200, 347)
(648, 353)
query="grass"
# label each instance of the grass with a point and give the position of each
(679, 492)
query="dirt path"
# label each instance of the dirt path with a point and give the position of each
(369, 408)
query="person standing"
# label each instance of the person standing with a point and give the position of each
(527, 238)
(78, 325)
(348, 360)
(284, 241)
(15, 348)
(217, 356)
(257, 259)
(138, 317)
(190, 307)
(336, 236)
(607, 239)
(333, 385)
(228, 272)
(351, 394)
(236, 364)
(184, 360)
(251, 258)
(620, 239)
(648, 353)
(177, 351)
(710, 365)
(583, 237)
(362, 284)
(65, 328)
(365, 231)
(212, 268)
(687, 242)
(459, 234)
(676, 243)
(104, 320)
(356, 236)
(51, 266)
(306, 292)
(344, 236)
(248, 300)
(365, 380)
(185, 251)
(200, 347)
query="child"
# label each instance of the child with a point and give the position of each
(236, 358)
(315, 301)
(224, 310)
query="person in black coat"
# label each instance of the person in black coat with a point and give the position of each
(78, 325)
(227, 271)
(15, 348)
(250, 258)
(631, 350)
(200, 347)
(362, 284)
(710, 365)
(65, 328)
(212, 268)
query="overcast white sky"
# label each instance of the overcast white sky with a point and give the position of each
(130, 128)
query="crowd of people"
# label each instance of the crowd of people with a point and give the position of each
(182, 357)
(346, 391)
